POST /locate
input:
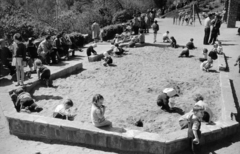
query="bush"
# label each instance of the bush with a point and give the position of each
(121, 16)
(78, 39)
(111, 31)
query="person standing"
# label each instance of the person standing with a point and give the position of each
(19, 58)
(207, 25)
(136, 25)
(148, 22)
(155, 30)
(216, 24)
(95, 31)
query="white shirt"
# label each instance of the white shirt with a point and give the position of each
(61, 110)
(207, 22)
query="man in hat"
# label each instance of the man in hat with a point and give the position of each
(216, 24)
(207, 29)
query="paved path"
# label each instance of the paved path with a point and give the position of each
(12, 145)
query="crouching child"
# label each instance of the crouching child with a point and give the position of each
(163, 99)
(24, 102)
(62, 111)
(43, 72)
(206, 65)
(194, 126)
(107, 60)
(185, 53)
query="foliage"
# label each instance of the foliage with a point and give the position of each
(77, 38)
(111, 31)
(122, 16)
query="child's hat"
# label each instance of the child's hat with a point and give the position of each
(170, 92)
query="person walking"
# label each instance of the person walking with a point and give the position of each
(207, 25)
(155, 30)
(95, 31)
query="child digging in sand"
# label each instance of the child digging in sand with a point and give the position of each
(24, 102)
(185, 53)
(206, 65)
(98, 111)
(107, 59)
(163, 99)
(62, 111)
(194, 126)
(205, 55)
(43, 72)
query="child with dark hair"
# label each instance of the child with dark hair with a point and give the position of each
(190, 44)
(173, 42)
(91, 51)
(24, 102)
(194, 126)
(205, 55)
(238, 62)
(62, 111)
(98, 111)
(43, 72)
(185, 53)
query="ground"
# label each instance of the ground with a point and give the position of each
(12, 145)
(133, 85)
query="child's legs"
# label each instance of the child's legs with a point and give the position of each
(104, 123)
(30, 63)
(206, 117)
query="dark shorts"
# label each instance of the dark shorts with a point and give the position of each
(45, 74)
(59, 116)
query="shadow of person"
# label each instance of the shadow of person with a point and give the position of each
(177, 110)
(113, 129)
(213, 71)
(47, 97)
(112, 65)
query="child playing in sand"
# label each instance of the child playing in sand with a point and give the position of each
(163, 99)
(166, 37)
(185, 53)
(194, 126)
(98, 111)
(43, 72)
(173, 42)
(206, 65)
(62, 111)
(107, 59)
(118, 50)
(220, 48)
(238, 61)
(24, 102)
(205, 55)
(190, 44)
(208, 114)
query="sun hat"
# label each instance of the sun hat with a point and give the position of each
(170, 92)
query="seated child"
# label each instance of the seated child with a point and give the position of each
(190, 44)
(166, 37)
(91, 51)
(118, 50)
(173, 42)
(107, 60)
(98, 111)
(163, 99)
(43, 72)
(141, 37)
(24, 102)
(206, 65)
(213, 53)
(220, 48)
(185, 53)
(62, 111)
(194, 126)
(207, 116)
(205, 55)
(238, 61)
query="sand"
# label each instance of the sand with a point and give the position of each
(131, 87)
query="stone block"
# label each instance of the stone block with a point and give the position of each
(176, 145)
(151, 142)
(42, 127)
(17, 127)
(94, 58)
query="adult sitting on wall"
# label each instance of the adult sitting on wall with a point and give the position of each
(95, 31)
(45, 51)
(57, 46)
(65, 45)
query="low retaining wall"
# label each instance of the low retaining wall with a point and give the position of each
(50, 129)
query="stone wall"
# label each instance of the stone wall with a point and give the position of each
(232, 13)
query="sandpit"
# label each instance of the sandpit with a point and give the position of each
(131, 88)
